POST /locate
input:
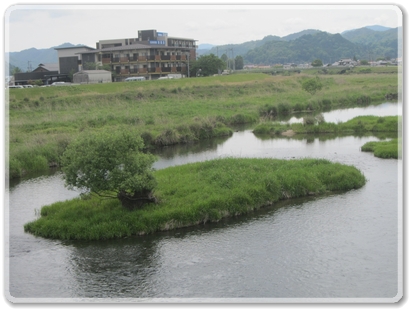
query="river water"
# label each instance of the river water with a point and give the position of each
(343, 247)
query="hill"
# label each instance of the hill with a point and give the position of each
(31, 58)
(320, 45)
(297, 35)
(374, 28)
(233, 50)
(379, 43)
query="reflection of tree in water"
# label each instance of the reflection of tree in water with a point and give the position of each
(115, 268)
(169, 152)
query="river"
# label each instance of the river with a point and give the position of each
(344, 247)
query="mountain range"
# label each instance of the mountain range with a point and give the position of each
(368, 43)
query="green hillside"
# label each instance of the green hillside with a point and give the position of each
(321, 45)
(379, 44)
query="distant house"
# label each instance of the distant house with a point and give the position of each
(92, 76)
(47, 68)
(347, 62)
(42, 72)
(257, 67)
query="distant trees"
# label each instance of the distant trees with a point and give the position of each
(239, 62)
(317, 63)
(209, 65)
(15, 70)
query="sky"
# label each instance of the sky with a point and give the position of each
(47, 25)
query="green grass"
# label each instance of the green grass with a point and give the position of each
(357, 125)
(42, 121)
(194, 194)
(384, 149)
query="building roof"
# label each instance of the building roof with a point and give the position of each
(48, 67)
(92, 72)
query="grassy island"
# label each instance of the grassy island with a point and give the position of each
(357, 125)
(384, 149)
(196, 193)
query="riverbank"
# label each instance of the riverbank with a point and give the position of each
(196, 193)
(43, 121)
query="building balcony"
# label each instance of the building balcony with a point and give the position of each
(143, 59)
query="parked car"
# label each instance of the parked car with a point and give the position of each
(15, 87)
(135, 79)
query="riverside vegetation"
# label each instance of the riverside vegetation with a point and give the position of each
(384, 149)
(316, 124)
(358, 125)
(43, 121)
(194, 194)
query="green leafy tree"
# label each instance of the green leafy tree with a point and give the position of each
(111, 164)
(224, 58)
(312, 85)
(317, 63)
(239, 62)
(209, 65)
(15, 70)
(90, 66)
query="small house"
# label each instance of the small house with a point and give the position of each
(92, 77)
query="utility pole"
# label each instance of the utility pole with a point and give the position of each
(29, 69)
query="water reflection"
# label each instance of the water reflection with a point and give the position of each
(309, 138)
(343, 115)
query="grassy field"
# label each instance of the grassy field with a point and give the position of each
(196, 193)
(43, 121)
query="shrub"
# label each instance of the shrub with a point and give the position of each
(312, 85)
(309, 120)
(284, 108)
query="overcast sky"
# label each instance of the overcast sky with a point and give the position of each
(45, 26)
